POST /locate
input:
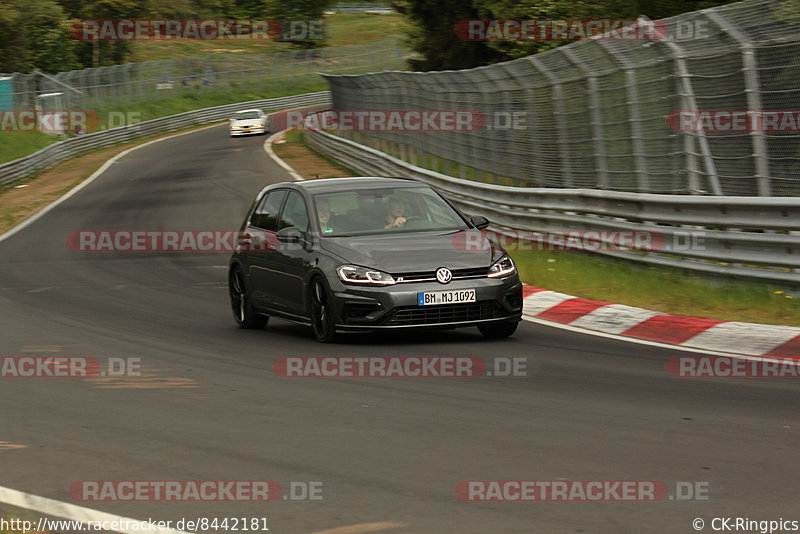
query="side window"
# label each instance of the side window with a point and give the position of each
(266, 214)
(295, 212)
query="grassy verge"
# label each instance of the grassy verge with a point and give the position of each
(342, 29)
(658, 288)
(15, 145)
(437, 164)
(195, 100)
(359, 28)
(306, 161)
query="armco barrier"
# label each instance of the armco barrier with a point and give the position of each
(754, 237)
(53, 154)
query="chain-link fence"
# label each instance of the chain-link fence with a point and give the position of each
(107, 87)
(592, 114)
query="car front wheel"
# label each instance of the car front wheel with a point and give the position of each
(322, 322)
(498, 330)
(243, 312)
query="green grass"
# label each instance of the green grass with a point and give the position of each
(298, 136)
(360, 28)
(663, 289)
(195, 100)
(294, 136)
(342, 29)
(15, 145)
(437, 164)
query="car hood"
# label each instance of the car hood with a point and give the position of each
(417, 251)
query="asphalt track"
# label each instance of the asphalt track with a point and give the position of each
(210, 407)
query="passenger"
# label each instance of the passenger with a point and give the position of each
(394, 212)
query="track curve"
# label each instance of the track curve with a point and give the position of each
(210, 407)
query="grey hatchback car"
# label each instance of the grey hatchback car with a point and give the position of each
(366, 254)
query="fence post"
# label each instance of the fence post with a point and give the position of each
(563, 137)
(753, 94)
(687, 96)
(597, 122)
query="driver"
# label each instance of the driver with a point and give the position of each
(394, 212)
(324, 214)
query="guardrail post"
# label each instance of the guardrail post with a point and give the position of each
(753, 93)
(637, 137)
(597, 122)
(563, 137)
(687, 96)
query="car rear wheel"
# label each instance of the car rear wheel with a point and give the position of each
(498, 330)
(243, 312)
(322, 322)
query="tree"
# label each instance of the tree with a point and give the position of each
(433, 23)
(35, 38)
(305, 11)
(432, 35)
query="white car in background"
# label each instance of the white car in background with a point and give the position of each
(249, 121)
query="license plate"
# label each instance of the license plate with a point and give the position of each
(246, 131)
(457, 296)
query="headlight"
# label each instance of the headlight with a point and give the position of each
(503, 267)
(234, 127)
(362, 275)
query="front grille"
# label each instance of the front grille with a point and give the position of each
(458, 274)
(446, 313)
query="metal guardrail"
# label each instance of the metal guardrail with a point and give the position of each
(53, 154)
(752, 237)
(362, 7)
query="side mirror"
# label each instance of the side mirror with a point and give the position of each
(479, 221)
(292, 234)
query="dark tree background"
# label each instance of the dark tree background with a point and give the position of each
(433, 21)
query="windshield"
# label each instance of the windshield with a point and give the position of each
(379, 211)
(246, 115)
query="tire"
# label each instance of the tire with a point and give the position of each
(498, 330)
(243, 312)
(322, 322)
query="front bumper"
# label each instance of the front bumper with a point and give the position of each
(248, 131)
(364, 308)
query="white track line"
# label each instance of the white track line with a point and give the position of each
(680, 348)
(72, 512)
(271, 154)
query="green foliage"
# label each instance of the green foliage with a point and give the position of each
(297, 10)
(433, 22)
(36, 36)
(432, 35)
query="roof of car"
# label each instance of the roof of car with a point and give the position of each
(327, 185)
(247, 110)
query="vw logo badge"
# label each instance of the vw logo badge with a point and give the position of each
(443, 275)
